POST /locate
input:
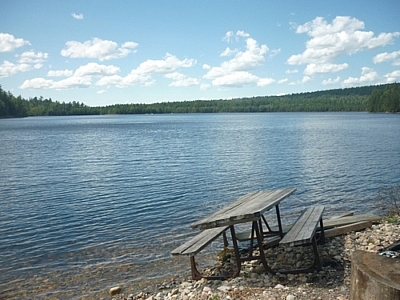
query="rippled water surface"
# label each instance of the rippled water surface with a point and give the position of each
(94, 201)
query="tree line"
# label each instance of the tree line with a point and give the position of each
(380, 98)
(387, 100)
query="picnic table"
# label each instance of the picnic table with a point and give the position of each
(248, 209)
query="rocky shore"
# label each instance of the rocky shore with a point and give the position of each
(333, 282)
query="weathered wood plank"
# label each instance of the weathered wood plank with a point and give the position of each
(347, 228)
(312, 222)
(351, 219)
(199, 242)
(347, 214)
(247, 208)
(305, 227)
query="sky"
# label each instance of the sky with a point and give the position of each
(113, 52)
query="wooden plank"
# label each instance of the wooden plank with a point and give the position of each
(347, 228)
(347, 214)
(199, 242)
(351, 219)
(312, 222)
(247, 208)
(305, 227)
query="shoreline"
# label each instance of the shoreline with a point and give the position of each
(333, 282)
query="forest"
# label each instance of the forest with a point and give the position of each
(378, 98)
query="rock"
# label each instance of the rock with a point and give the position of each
(115, 290)
(174, 291)
(279, 286)
(290, 297)
(224, 288)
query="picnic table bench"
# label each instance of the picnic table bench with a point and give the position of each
(303, 232)
(198, 243)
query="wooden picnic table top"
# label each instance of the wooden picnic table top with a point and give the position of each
(247, 208)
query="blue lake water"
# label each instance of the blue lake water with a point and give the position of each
(89, 202)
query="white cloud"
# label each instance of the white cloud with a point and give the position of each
(241, 78)
(68, 83)
(305, 79)
(181, 80)
(384, 57)
(9, 43)
(108, 75)
(8, 68)
(291, 71)
(37, 83)
(274, 52)
(313, 69)
(32, 58)
(331, 81)
(284, 80)
(97, 48)
(205, 86)
(27, 61)
(228, 36)
(81, 78)
(243, 60)
(94, 69)
(133, 78)
(344, 36)
(59, 73)
(241, 33)
(235, 71)
(393, 76)
(77, 16)
(235, 79)
(73, 82)
(265, 81)
(367, 75)
(228, 52)
(169, 64)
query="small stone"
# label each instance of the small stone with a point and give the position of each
(289, 297)
(279, 286)
(224, 288)
(115, 290)
(174, 292)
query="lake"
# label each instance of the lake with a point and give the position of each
(90, 202)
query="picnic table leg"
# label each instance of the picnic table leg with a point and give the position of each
(237, 253)
(278, 216)
(322, 234)
(260, 247)
(317, 262)
(196, 275)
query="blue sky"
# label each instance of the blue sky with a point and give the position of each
(107, 52)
